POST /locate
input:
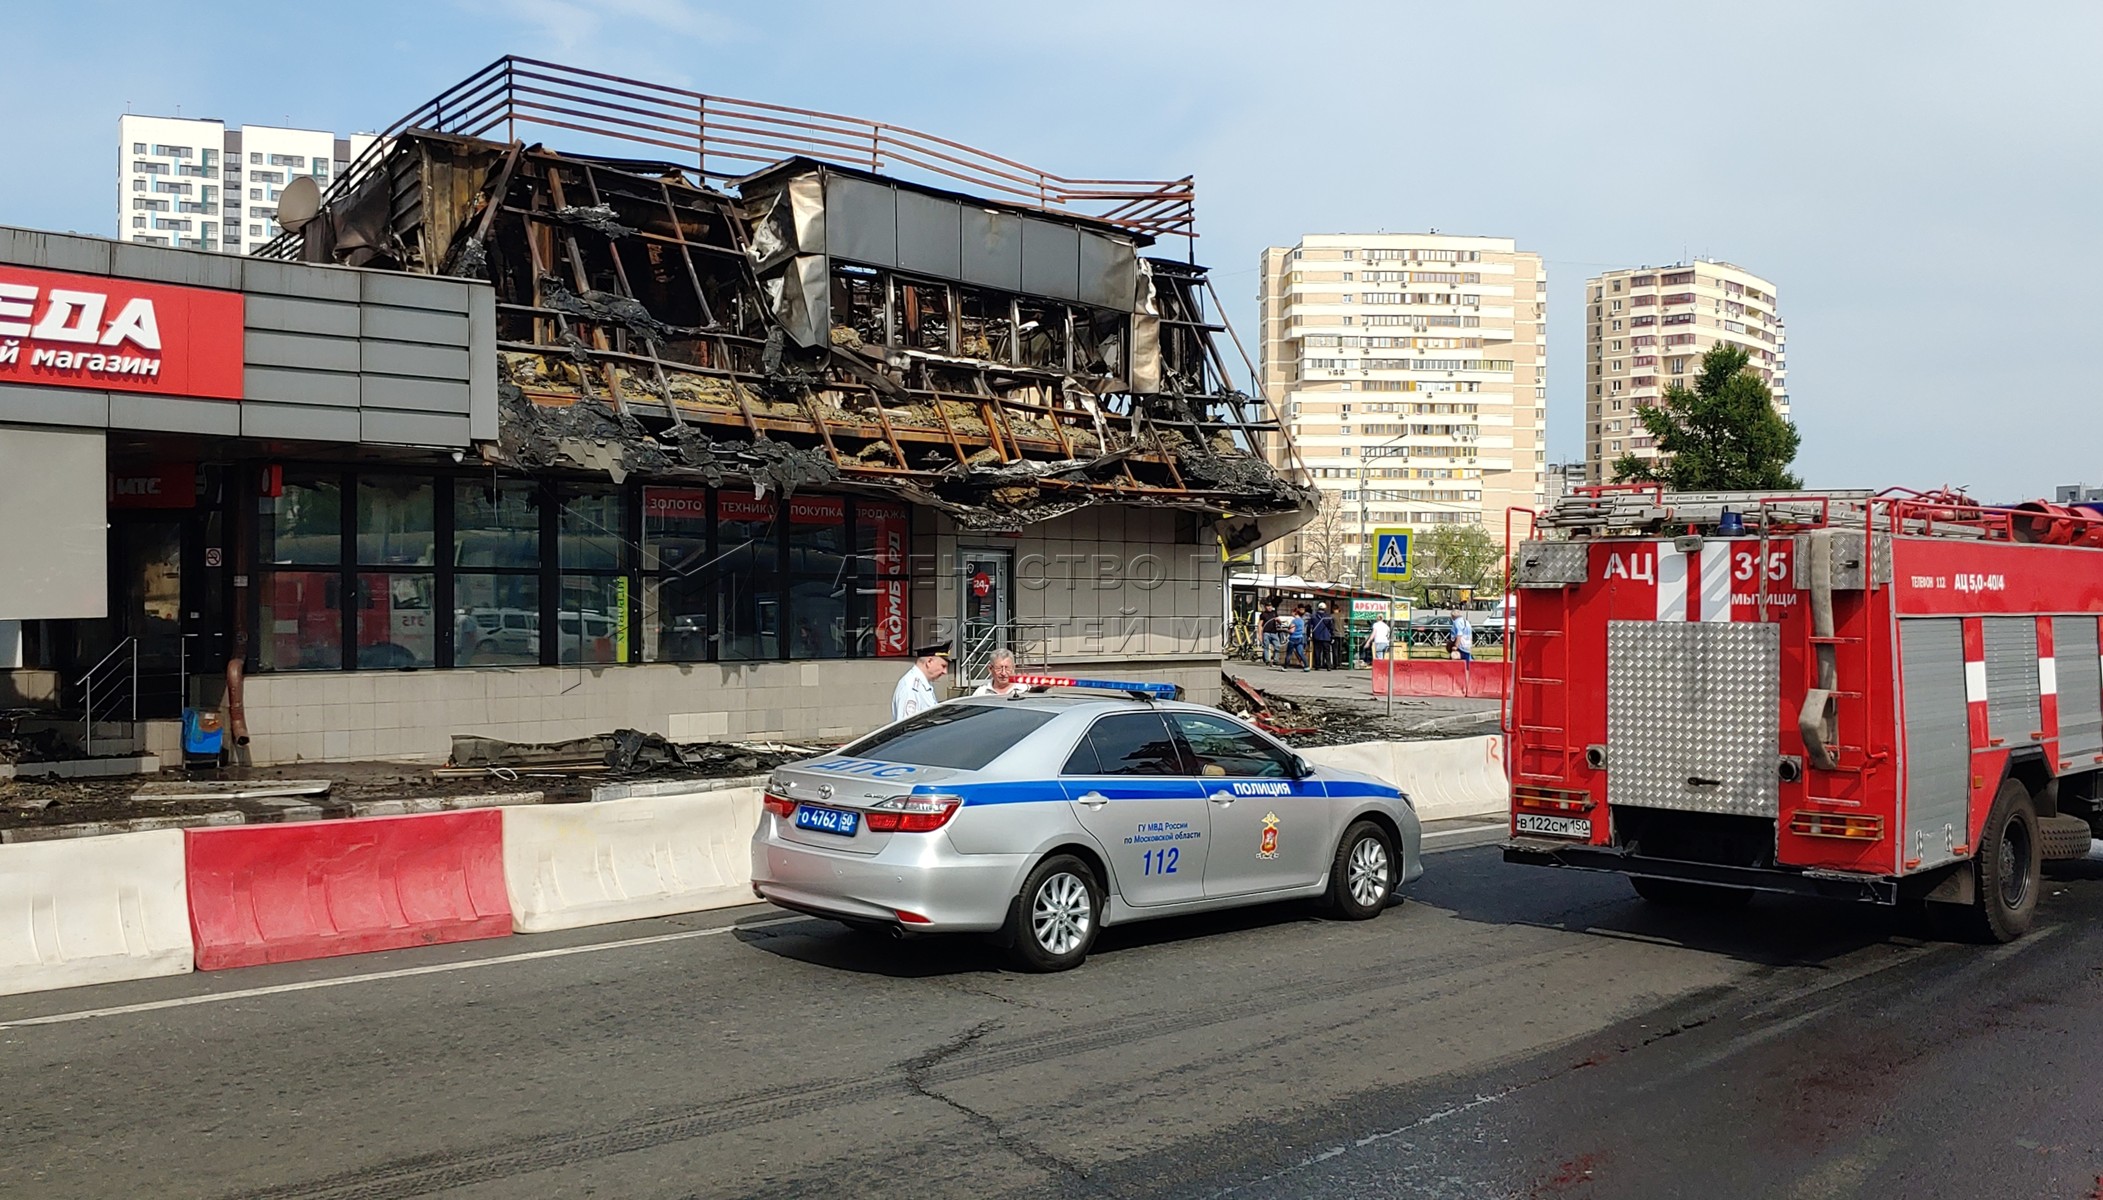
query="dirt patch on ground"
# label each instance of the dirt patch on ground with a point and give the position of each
(1334, 721)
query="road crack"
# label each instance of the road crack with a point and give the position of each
(919, 1068)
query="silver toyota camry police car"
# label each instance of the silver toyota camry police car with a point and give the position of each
(1046, 817)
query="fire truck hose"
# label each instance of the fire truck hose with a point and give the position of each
(1814, 719)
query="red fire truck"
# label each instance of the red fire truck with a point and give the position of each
(1892, 697)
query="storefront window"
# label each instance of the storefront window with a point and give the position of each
(512, 572)
(396, 628)
(591, 619)
(496, 523)
(496, 620)
(397, 524)
(301, 621)
(675, 619)
(305, 525)
(821, 576)
(591, 533)
(748, 578)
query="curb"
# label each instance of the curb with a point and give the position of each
(277, 815)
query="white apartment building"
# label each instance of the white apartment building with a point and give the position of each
(1411, 372)
(202, 186)
(1646, 329)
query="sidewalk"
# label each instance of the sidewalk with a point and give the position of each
(1352, 691)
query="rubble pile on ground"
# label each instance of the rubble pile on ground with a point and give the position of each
(624, 752)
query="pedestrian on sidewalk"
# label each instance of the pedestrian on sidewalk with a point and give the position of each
(1000, 677)
(1322, 636)
(1382, 639)
(1296, 639)
(1463, 639)
(1273, 635)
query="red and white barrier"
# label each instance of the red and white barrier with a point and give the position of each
(1454, 777)
(1438, 677)
(92, 910)
(569, 865)
(278, 893)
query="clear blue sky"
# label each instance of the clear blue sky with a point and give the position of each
(1923, 181)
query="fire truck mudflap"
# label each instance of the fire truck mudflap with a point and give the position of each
(1873, 697)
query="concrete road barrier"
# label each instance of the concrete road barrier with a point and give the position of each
(92, 910)
(1454, 777)
(626, 860)
(277, 893)
(1438, 677)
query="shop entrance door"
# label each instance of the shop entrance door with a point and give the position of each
(988, 606)
(165, 590)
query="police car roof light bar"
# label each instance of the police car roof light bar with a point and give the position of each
(1138, 691)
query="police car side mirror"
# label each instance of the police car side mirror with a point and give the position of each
(1301, 768)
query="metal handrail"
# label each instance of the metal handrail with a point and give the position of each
(722, 138)
(122, 662)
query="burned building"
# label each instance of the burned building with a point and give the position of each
(775, 395)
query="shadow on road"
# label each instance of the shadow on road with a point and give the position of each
(1772, 930)
(826, 944)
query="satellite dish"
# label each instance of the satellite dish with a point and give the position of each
(298, 203)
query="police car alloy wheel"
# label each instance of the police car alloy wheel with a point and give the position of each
(1056, 916)
(1363, 875)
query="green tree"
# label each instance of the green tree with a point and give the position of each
(1457, 556)
(1723, 436)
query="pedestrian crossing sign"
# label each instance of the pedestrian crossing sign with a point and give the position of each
(1391, 554)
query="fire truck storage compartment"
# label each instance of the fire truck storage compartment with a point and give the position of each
(2080, 682)
(1938, 738)
(2011, 680)
(1691, 716)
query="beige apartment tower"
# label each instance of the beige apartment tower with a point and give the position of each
(1411, 372)
(1646, 329)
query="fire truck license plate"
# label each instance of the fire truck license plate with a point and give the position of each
(1569, 827)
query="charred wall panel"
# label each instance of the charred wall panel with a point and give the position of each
(1109, 273)
(861, 221)
(930, 239)
(1051, 259)
(992, 248)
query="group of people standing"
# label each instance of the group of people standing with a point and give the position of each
(1317, 639)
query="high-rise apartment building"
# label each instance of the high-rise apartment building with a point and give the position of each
(1411, 373)
(1646, 329)
(199, 185)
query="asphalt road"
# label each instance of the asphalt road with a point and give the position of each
(1505, 1032)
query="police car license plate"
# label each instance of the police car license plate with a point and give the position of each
(827, 820)
(1569, 827)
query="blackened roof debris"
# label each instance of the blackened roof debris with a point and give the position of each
(1003, 358)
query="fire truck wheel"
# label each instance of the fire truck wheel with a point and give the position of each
(1681, 894)
(1362, 878)
(2007, 865)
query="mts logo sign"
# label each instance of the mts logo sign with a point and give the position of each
(88, 331)
(166, 485)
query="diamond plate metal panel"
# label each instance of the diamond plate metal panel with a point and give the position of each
(1550, 564)
(1692, 716)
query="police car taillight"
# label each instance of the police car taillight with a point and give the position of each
(911, 814)
(780, 806)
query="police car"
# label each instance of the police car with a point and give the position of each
(1049, 816)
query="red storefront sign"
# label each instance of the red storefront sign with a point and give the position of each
(675, 504)
(890, 522)
(166, 485)
(90, 331)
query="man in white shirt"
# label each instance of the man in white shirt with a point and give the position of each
(1000, 677)
(915, 692)
(1383, 638)
(1463, 639)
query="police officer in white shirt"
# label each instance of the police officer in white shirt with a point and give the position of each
(915, 692)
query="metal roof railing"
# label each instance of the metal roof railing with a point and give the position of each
(720, 138)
